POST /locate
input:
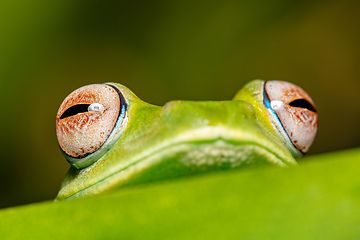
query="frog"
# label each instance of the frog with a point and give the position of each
(113, 139)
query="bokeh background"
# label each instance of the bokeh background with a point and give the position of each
(165, 50)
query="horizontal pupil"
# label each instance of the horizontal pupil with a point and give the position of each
(73, 110)
(302, 103)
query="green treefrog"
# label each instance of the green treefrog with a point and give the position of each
(111, 138)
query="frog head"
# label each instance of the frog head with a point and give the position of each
(112, 139)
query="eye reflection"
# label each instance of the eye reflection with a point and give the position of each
(95, 107)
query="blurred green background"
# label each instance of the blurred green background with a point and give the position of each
(165, 50)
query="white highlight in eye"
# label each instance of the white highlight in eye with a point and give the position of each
(276, 104)
(95, 107)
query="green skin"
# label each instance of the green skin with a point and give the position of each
(183, 138)
(307, 202)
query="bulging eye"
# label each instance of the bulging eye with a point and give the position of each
(86, 120)
(293, 113)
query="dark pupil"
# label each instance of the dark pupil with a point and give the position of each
(73, 110)
(302, 103)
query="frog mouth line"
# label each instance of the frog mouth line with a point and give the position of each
(141, 164)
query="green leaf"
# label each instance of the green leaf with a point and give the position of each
(317, 200)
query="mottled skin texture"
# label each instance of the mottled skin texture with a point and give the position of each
(298, 124)
(183, 138)
(84, 133)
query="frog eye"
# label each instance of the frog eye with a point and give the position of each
(293, 113)
(86, 121)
